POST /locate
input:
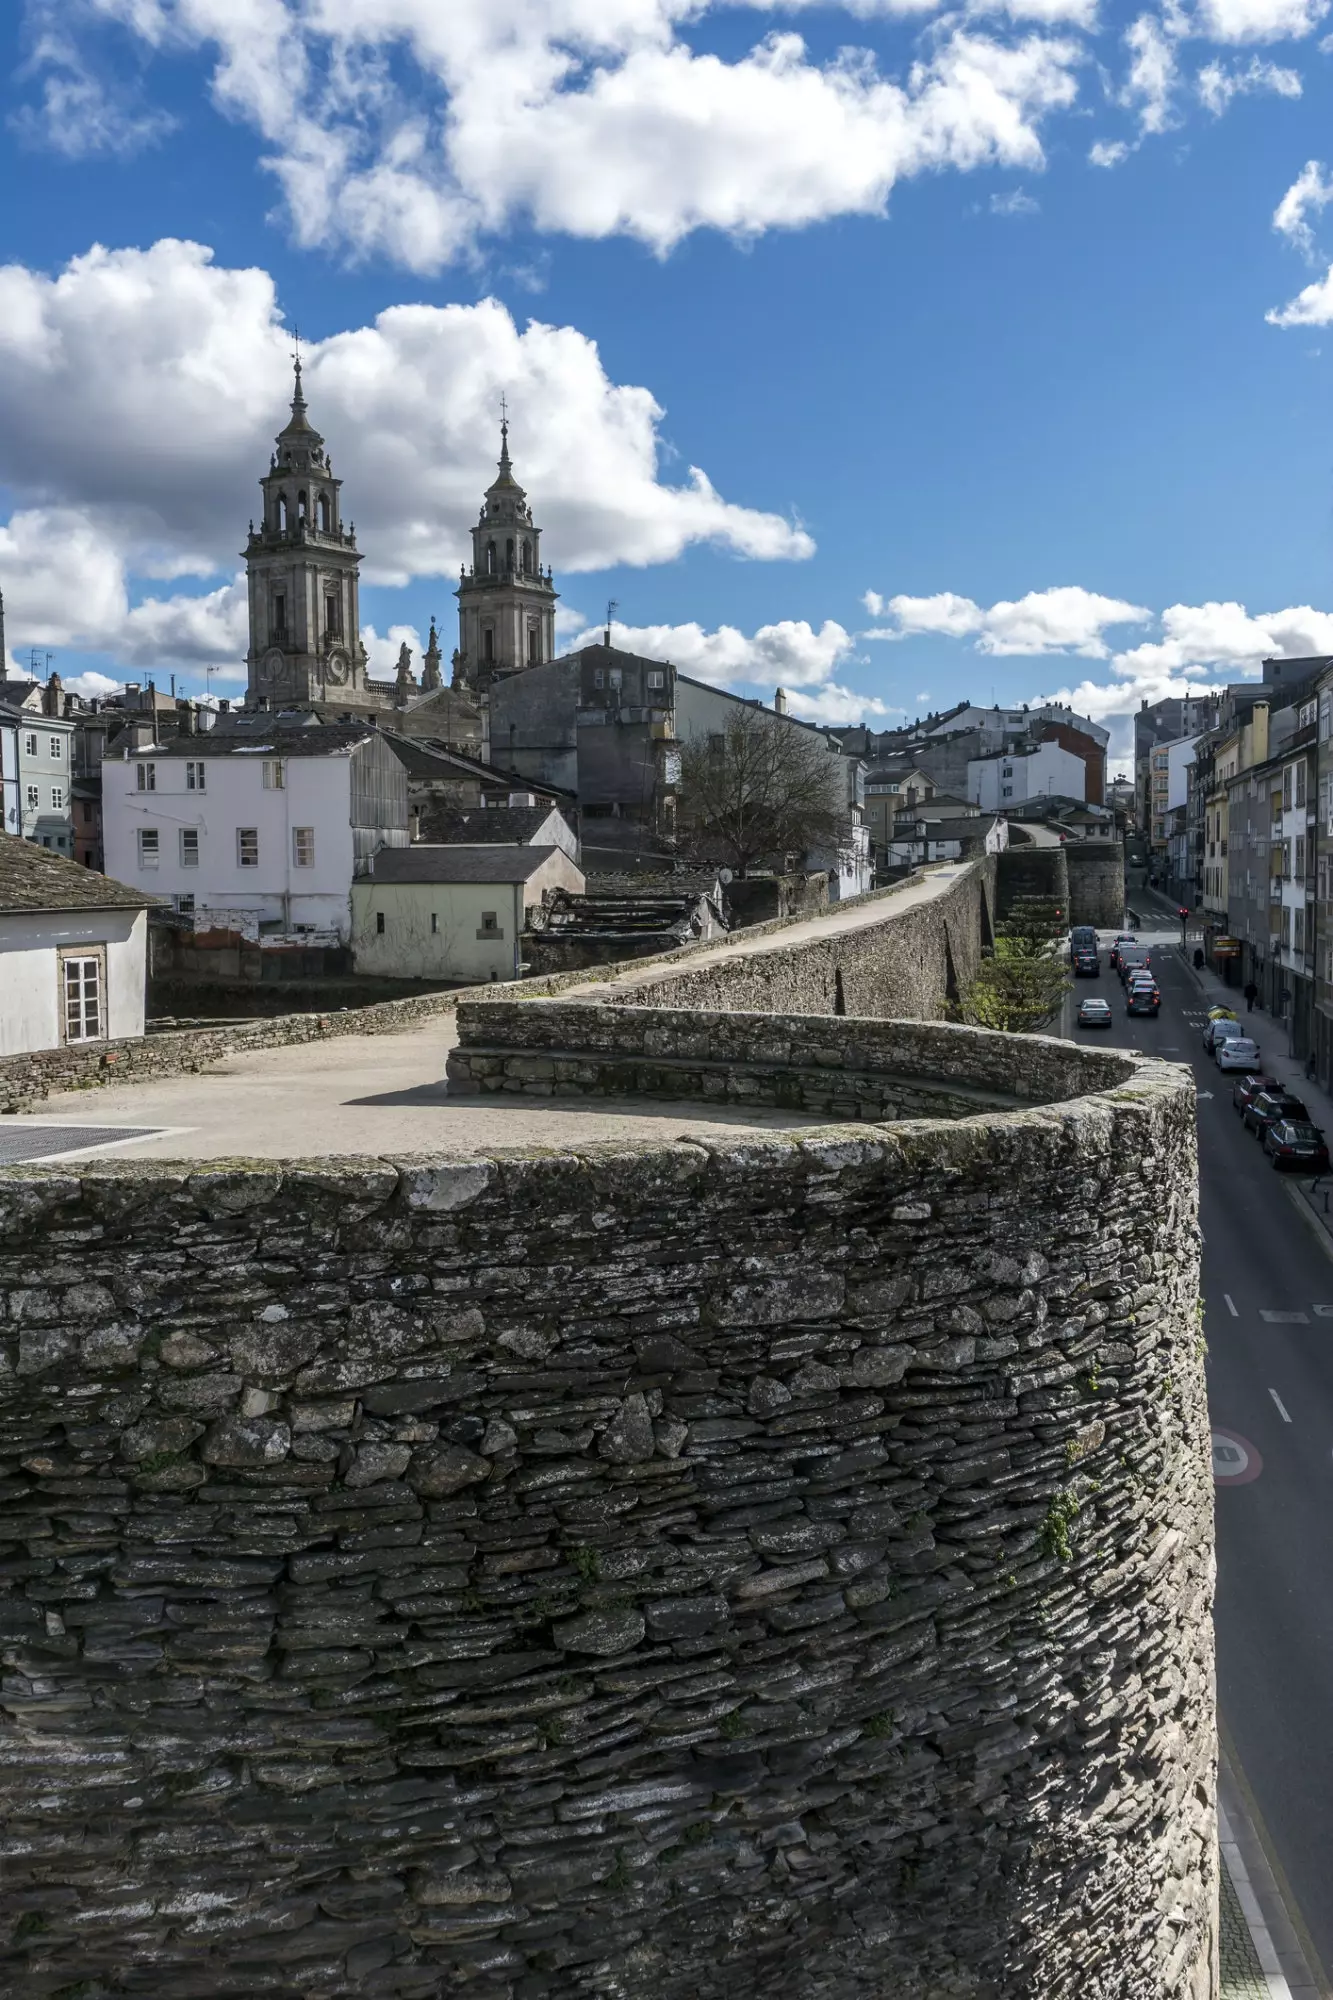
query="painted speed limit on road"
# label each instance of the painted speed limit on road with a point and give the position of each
(1235, 1460)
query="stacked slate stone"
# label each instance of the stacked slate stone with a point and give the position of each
(663, 1572)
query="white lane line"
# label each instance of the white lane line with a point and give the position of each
(1281, 1406)
(1283, 1318)
(1231, 1305)
(1269, 1962)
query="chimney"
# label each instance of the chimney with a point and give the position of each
(780, 701)
(224, 708)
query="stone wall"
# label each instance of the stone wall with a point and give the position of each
(824, 1065)
(236, 999)
(1096, 870)
(641, 1573)
(1029, 870)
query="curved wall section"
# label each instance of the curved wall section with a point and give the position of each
(676, 1573)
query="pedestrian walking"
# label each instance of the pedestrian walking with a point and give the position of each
(1251, 995)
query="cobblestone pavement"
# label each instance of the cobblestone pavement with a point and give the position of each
(1242, 1975)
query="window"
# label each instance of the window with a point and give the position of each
(527, 558)
(185, 904)
(34, 798)
(189, 847)
(490, 924)
(55, 745)
(598, 677)
(657, 679)
(1298, 939)
(247, 846)
(146, 777)
(532, 645)
(325, 516)
(509, 555)
(490, 558)
(303, 846)
(83, 998)
(614, 677)
(333, 623)
(194, 776)
(488, 644)
(273, 774)
(150, 846)
(1300, 784)
(282, 522)
(1300, 857)
(434, 922)
(1008, 791)
(379, 923)
(30, 746)
(57, 799)
(280, 612)
(87, 812)
(1286, 790)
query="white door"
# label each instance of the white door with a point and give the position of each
(83, 999)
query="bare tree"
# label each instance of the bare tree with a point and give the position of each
(759, 788)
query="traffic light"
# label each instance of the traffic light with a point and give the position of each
(1183, 914)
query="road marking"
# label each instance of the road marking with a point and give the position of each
(1204, 1094)
(1323, 1312)
(1283, 1319)
(1231, 1305)
(1236, 1462)
(1281, 1407)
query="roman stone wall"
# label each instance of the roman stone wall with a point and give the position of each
(1096, 870)
(1029, 870)
(688, 1572)
(821, 1064)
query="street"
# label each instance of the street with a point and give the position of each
(1268, 1290)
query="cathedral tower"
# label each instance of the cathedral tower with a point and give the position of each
(506, 603)
(301, 566)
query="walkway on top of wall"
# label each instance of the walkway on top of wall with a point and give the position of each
(858, 915)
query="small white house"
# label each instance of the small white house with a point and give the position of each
(450, 912)
(998, 784)
(73, 952)
(260, 828)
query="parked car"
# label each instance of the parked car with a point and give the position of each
(1294, 1142)
(1094, 1014)
(1219, 1031)
(1221, 1013)
(1250, 1086)
(1087, 965)
(1273, 1107)
(1121, 938)
(1238, 1052)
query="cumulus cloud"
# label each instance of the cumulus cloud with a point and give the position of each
(1066, 619)
(1108, 153)
(1149, 88)
(1201, 636)
(1260, 20)
(403, 129)
(1312, 306)
(1217, 85)
(1310, 192)
(789, 654)
(140, 391)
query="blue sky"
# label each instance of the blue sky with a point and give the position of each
(891, 353)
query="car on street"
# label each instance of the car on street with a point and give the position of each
(1294, 1142)
(1142, 997)
(1082, 937)
(1134, 958)
(1087, 965)
(1094, 1014)
(1221, 1013)
(1120, 938)
(1220, 1031)
(1250, 1086)
(1273, 1107)
(1238, 1052)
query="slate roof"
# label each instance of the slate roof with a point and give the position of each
(491, 826)
(33, 878)
(322, 739)
(423, 862)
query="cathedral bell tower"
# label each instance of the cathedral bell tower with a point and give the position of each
(506, 603)
(301, 567)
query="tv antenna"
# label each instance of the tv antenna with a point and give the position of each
(612, 606)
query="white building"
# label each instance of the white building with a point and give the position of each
(42, 758)
(1045, 771)
(73, 952)
(256, 829)
(452, 912)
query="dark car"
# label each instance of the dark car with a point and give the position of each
(1143, 999)
(1273, 1107)
(1122, 938)
(1295, 1142)
(1083, 937)
(1248, 1087)
(1134, 958)
(1087, 965)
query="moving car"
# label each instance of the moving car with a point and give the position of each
(1220, 1031)
(1094, 1014)
(1238, 1052)
(1273, 1107)
(1142, 997)
(1121, 938)
(1294, 1142)
(1082, 937)
(1250, 1086)
(1087, 965)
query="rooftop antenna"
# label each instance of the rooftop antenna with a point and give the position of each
(612, 606)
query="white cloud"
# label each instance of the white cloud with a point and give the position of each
(1200, 636)
(1150, 86)
(1312, 306)
(80, 112)
(1217, 85)
(140, 392)
(790, 654)
(1260, 20)
(1016, 202)
(404, 129)
(1066, 619)
(382, 651)
(1108, 153)
(1311, 190)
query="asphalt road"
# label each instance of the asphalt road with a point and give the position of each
(1268, 1316)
